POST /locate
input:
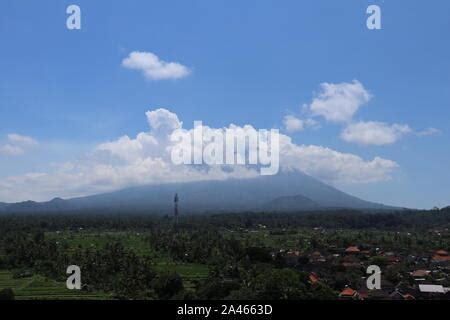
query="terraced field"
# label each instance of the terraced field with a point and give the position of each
(37, 287)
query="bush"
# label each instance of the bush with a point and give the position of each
(7, 294)
(167, 285)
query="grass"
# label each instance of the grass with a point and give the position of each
(39, 288)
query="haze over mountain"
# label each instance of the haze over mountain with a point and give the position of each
(288, 191)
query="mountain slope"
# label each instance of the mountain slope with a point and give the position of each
(291, 203)
(56, 204)
(3, 206)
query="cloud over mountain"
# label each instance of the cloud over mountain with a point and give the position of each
(145, 159)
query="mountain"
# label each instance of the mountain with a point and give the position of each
(291, 203)
(56, 204)
(3, 206)
(288, 191)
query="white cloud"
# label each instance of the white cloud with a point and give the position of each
(334, 167)
(339, 102)
(429, 132)
(294, 124)
(374, 133)
(146, 159)
(17, 145)
(22, 140)
(162, 119)
(154, 68)
(10, 150)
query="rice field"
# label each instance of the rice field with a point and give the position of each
(40, 288)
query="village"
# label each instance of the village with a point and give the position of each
(404, 276)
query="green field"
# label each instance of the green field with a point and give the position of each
(37, 287)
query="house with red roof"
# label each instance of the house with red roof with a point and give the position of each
(352, 250)
(349, 293)
(420, 273)
(441, 258)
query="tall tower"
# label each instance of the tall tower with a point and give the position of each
(175, 209)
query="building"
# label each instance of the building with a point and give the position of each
(431, 288)
(420, 273)
(397, 295)
(441, 258)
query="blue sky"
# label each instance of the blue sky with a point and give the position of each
(250, 62)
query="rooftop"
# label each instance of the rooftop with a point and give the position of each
(352, 249)
(348, 292)
(431, 288)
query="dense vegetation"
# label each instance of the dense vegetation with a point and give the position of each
(138, 256)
